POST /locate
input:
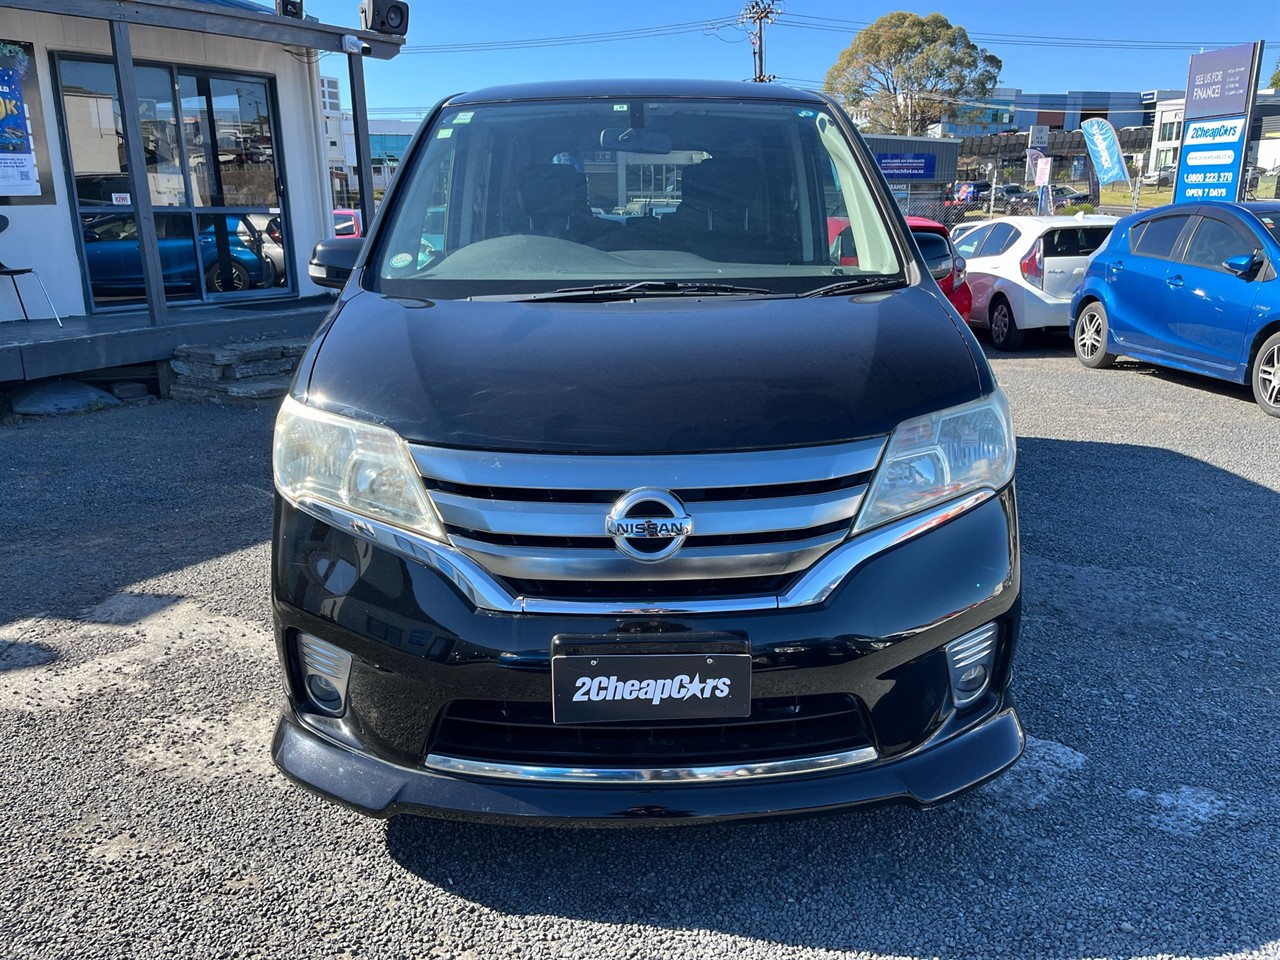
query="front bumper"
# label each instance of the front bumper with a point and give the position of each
(419, 646)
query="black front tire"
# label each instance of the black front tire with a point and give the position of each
(239, 278)
(1090, 338)
(1005, 333)
(1265, 376)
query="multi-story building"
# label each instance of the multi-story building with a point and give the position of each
(388, 141)
(1010, 109)
(1264, 141)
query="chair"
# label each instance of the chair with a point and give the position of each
(13, 273)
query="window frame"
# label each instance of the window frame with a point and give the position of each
(1231, 224)
(1178, 241)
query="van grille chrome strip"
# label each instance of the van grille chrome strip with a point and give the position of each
(487, 593)
(735, 773)
(537, 471)
(546, 523)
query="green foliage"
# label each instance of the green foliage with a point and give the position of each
(904, 72)
(1275, 75)
(1076, 208)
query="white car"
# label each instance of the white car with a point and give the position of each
(1023, 271)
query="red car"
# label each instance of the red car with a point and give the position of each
(934, 240)
(346, 223)
(946, 265)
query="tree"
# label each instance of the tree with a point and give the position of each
(904, 72)
(1275, 76)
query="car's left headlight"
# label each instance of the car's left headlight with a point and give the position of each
(352, 464)
(941, 456)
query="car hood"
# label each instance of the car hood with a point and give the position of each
(654, 375)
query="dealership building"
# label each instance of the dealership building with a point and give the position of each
(163, 176)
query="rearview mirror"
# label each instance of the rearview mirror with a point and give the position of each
(332, 261)
(635, 141)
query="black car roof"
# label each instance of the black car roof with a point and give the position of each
(621, 88)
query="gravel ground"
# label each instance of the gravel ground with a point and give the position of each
(138, 691)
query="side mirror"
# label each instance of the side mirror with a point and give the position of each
(332, 261)
(90, 235)
(1244, 264)
(941, 267)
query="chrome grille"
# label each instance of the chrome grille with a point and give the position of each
(537, 521)
(515, 736)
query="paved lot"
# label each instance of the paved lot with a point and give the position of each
(138, 689)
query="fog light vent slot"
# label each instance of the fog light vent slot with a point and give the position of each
(325, 671)
(971, 659)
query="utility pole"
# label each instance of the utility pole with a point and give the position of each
(759, 12)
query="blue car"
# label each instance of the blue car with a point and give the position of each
(1191, 286)
(111, 246)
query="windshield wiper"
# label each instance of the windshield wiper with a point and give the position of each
(662, 288)
(856, 285)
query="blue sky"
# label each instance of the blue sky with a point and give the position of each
(1080, 45)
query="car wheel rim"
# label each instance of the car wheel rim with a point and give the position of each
(999, 324)
(1269, 376)
(237, 281)
(1089, 335)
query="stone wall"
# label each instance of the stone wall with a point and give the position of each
(251, 373)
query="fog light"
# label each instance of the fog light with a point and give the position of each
(972, 681)
(971, 659)
(325, 672)
(323, 693)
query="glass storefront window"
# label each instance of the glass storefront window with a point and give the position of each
(160, 137)
(246, 154)
(210, 165)
(95, 134)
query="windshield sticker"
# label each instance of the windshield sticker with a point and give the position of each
(620, 108)
(401, 260)
(445, 133)
(464, 117)
(806, 114)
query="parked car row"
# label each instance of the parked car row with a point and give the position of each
(1192, 287)
(1189, 286)
(1023, 271)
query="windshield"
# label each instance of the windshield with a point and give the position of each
(1271, 220)
(514, 198)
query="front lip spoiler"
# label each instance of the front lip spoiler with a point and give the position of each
(374, 787)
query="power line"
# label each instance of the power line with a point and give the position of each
(638, 33)
(832, 24)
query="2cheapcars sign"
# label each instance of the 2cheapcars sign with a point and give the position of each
(1211, 158)
(1215, 136)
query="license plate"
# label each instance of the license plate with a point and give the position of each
(643, 687)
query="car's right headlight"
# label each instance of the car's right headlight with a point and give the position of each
(351, 464)
(939, 457)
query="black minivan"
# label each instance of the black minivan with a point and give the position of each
(615, 490)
